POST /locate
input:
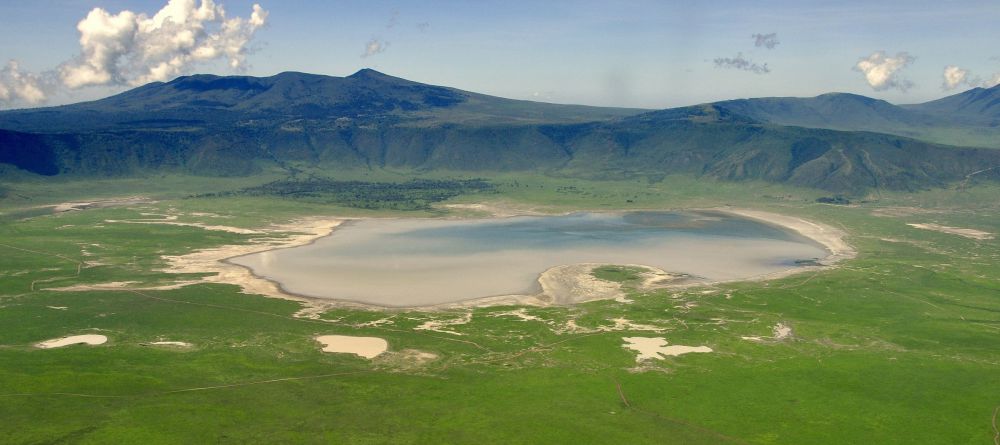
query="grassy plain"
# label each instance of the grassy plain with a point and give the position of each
(900, 345)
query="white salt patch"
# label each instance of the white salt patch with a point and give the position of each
(624, 324)
(58, 308)
(440, 325)
(90, 339)
(620, 324)
(572, 327)
(95, 286)
(172, 343)
(656, 348)
(169, 221)
(424, 356)
(520, 313)
(782, 331)
(412, 357)
(968, 233)
(375, 323)
(367, 347)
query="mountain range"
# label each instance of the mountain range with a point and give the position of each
(240, 125)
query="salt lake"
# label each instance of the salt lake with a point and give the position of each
(424, 262)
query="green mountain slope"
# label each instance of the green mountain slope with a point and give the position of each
(225, 126)
(967, 119)
(976, 105)
(201, 101)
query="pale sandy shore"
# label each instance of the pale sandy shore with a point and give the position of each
(213, 261)
(657, 348)
(829, 237)
(967, 233)
(101, 203)
(561, 285)
(167, 222)
(576, 283)
(89, 339)
(111, 285)
(367, 347)
(180, 344)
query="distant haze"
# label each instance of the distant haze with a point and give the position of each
(645, 53)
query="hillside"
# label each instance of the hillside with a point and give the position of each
(969, 118)
(226, 126)
(976, 105)
(840, 111)
(200, 101)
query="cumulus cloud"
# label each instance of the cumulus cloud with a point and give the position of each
(374, 46)
(741, 63)
(954, 76)
(129, 48)
(882, 72)
(133, 49)
(19, 87)
(768, 41)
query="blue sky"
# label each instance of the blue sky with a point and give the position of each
(651, 54)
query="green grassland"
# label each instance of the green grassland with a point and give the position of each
(618, 274)
(900, 345)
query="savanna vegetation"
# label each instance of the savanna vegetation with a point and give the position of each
(896, 346)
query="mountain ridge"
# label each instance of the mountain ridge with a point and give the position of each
(938, 121)
(977, 103)
(241, 125)
(366, 94)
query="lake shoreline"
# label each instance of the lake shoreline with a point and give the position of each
(310, 230)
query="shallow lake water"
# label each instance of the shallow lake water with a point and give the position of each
(421, 262)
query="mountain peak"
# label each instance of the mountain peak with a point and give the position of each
(842, 94)
(372, 77)
(368, 73)
(851, 97)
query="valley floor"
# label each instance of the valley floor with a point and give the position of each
(896, 345)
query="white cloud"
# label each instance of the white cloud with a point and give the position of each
(768, 41)
(19, 87)
(994, 81)
(543, 95)
(882, 71)
(134, 49)
(954, 77)
(131, 48)
(104, 39)
(375, 46)
(741, 63)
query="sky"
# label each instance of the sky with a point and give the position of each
(644, 54)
